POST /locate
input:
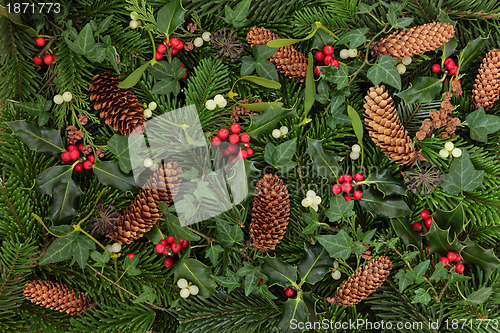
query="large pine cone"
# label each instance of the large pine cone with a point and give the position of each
(386, 129)
(419, 39)
(55, 296)
(143, 212)
(120, 107)
(286, 59)
(487, 85)
(363, 282)
(271, 210)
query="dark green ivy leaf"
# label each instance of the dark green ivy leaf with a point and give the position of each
(338, 76)
(354, 37)
(338, 245)
(231, 281)
(462, 176)
(339, 208)
(385, 71)
(281, 156)
(482, 124)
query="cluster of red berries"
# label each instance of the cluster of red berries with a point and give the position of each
(234, 139)
(169, 247)
(73, 153)
(450, 257)
(327, 57)
(451, 68)
(47, 58)
(425, 215)
(174, 44)
(345, 185)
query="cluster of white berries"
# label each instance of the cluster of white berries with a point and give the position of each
(149, 111)
(279, 132)
(135, 22)
(149, 163)
(218, 100)
(449, 148)
(115, 248)
(335, 272)
(205, 37)
(348, 53)
(355, 150)
(311, 200)
(187, 288)
(402, 66)
(66, 97)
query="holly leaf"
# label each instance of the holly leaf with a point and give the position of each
(448, 48)
(281, 156)
(403, 229)
(40, 139)
(170, 16)
(109, 173)
(198, 273)
(439, 240)
(421, 296)
(354, 37)
(269, 120)
(339, 208)
(462, 176)
(385, 71)
(338, 245)
(440, 273)
(478, 297)
(231, 281)
(386, 183)
(61, 249)
(228, 233)
(321, 39)
(470, 52)
(385, 207)
(64, 202)
(314, 264)
(422, 90)
(174, 227)
(237, 17)
(454, 219)
(482, 124)
(213, 253)
(278, 272)
(338, 76)
(324, 162)
(485, 259)
(48, 179)
(81, 248)
(294, 310)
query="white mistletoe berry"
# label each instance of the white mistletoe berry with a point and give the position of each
(310, 194)
(206, 36)
(456, 152)
(185, 293)
(58, 99)
(222, 103)
(67, 96)
(198, 42)
(109, 248)
(152, 106)
(116, 248)
(316, 200)
(284, 130)
(219, 99)
(276, 133)
(210, 104)
(133, 15)
(352, 53)
(148, 162)
(449, 146)
(401, 68)
(148, 113)
(315, 207)
(194, 290)
(356, 148)
(444, 153)
(134, 24)
(344, 54)
(335, 264)
(336, 274)
(182, 283)
(305, 202)
(406, 61)
(354, 155)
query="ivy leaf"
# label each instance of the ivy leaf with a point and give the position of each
(266, 69)
(421, 268)
(358, 248)
(198, 273)
(170, 16)
(174, 227)
(439, 240)
(48, 179)
(237, 17)
(64, 202)
(108, 173)
(148, 295)
(339, 208)
(231, 281)
(338, 76)
(267, 121)
(168, 76)
(39, 109)
(403, 229)
(314, 264)
(462, 176)
(405, 278)
(354, 37)
(81, 247)
(294, 310)
(324, 162)
(440, 273)
(385, 207)
(470, 52)
(386, 183)
(228, 233)
(213, 253)
(118, 145)
(423, 90)
(338, 245)
(40, 139)
(421, 296)
(485, 259)
(129, 265)
(61, 249)
(263, 52)
(278, 272)
(455, 277)
(247, 65)
(478, 297)
(281, 156)
(101, 259)
(323, 92)
(482, 124)
(84, 42)
(385, 71)
(312, 221)
(454, 218)
(251, 280)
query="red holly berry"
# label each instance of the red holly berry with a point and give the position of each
(48, 59)
(328, 50)
(87, 165)
(180, 45)
(454, 71)
(452, 256)
(74, 154)
(448, 60)
(348, 178)
(319, 56)
(346, 187)
(185, 75)
(223, 133)
(457, 257)
(216, 141)
(459, 268)
(40, 41)
(424, 214)
(38, 60)
(72, 147)
(288, 292)
(175, 51)
(234, 138)
(79, 167)
(249, 151)
(357, 195)
(328, 60)
(341, 179)
(91, 158)
(173, 42)
(160, 248)
(444, 261)
(243, 154)
(163, 241)
(417, 226)
(358, 177)
(184, 243)
(436, 68)
(335, 63)
(245, 138)
(317, 72)
(175, 248)
(161, 48)
(170, 239)
(159, 55)
(336, 189)
(168, 262)
(232, 149)
(130, 256)
(450, 65)
(167, 249)
(80, 147)
(235, 128)
(66, 156)
(428, 222)
(347, 197)
(427, 249)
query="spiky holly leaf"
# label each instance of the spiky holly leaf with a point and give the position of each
(440, 240)
(295, 309)
(403, 228)
(324, 162)
(454, 219)
(462, 176)
(386, 183)
(314, 264)
(278, 272)
(390, 207)
(475, 254)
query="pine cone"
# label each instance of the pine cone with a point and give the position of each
(286, 59)
(419, 39)
(386, 129)
(487, 85)
(143, 212)
(119, 107)
(55, 296)
(363, 282)
(271, 210)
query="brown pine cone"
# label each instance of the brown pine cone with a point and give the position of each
(487, 85)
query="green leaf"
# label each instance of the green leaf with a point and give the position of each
(154, 235)
(403, 229)
(166, 86)
(213, 253)
(354, 37)
(61, 249)
(357, 124)
(384, 207)
(228, 233)
(101, 259)
(455, 277)
(485, 259)
(421, 268)
(462, 176)
(421, 296)
(285, 42)
(168, 76)
(281, 156)
(148, 295)
(267, 121)
(312, 221)
(280, 273)
(482, 124)
(385, 71)
(439, 240)
(478, 297)
(174, 227)
(448, 48)
(84, 43)
(321, 39)
(40, 139)
(310, 89)
(338, 245)
(64, 201)
(49, 178)
(338, 76)
(339, 208)
(470, 52)
(251, 280)
(109, 173)
(38, 109)
(119, 146)
(314, 264)
(237, 17)
(247, 65)
(231, 281)
(294, 309)
(365, 9)
(170, 16)
(261, 82)
(129, 265)
(263, 52)
(261, 106)
(367, 236)
(386, 183)
(197, 273)
(324, 163)
(266, 70)
(423, 90)
(454, 218)
(405, 278)
(240, 178)
(134, 77)
(440, 273)
(81, 247)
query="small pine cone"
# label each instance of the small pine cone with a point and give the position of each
(188, 46)
(363, 282)
(55, 296)
(191, 27)
(487, 85)
(271, 211)
(74, 134)
(386, 129)
(99, 152)
(87, 149)
(120, 107)
(144, 212)
(286, 59)
(242, 111)
(82, 119)
(456, 88)
(417, 40)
